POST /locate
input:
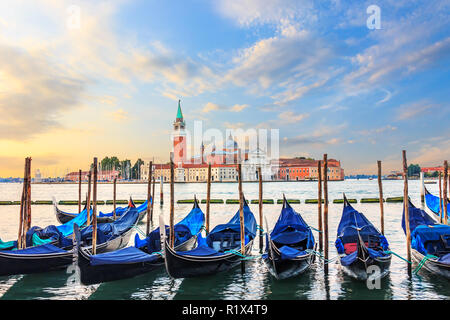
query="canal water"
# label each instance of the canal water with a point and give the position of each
(256, 282)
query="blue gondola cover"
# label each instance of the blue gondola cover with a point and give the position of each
(353, 225)
(432, 202)
(427, 239)
(125, 255)
(289, 230)
(43, 249)
(184, 230)
(230, 230)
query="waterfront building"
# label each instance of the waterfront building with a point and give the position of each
(258, 158)
(37, 176)
(102, 175)
(297, 169)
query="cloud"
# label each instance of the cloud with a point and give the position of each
(34, 92)
(410, 111)
(386, 98)
(239, 107)
(291, 117)
(119, 115)
(287, 65)
(403, 46)
(210, 106)
(256, 12)
(325, 135)
(234, 125)
(370, 132)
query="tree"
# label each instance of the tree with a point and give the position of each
(413, 170)
(136, 170)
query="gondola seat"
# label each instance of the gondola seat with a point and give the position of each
(445, 241)
(225, 240)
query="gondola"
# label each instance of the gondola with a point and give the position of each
(289, 246)
(430, 241)
(49, 235)
(362, 249)
(64, 217)
(52, 256)
(218, 252)
(433, 203)
(141, 258)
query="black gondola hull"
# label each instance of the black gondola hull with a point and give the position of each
(11, 263)
(96, 274)
(362, 268)
(181, 266)
(103, 273)
(287, 268)
(24, 264)
(432, 266)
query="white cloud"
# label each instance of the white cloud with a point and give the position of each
(255, 12)
(210, 107)
(413, 110)
(119, 115)
(291, 117)
(239, 107)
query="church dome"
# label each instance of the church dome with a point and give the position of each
(230, 143)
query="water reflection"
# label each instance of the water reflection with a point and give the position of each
(50, 285)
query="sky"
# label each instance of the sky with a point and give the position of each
(80, 79)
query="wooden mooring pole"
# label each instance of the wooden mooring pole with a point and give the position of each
(380, 188)
(440, 198)
(260, 205)
(153, 199)
(88, 203)
(149, 198)
(25, 206)
(28, 216)
(241, 215)
(406, 209)
(114, 196)
(79, 191)
(208, 197)
(94, 211)
(422, 188)
(172, 208)
(445, 191)
(319, 203)
(161, 194)
(325, 210)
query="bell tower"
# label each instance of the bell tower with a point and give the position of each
(179, 138)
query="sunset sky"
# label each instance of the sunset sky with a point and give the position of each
(312, 69)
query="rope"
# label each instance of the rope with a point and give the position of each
(321, 256)
(397, 255)
(159, 252)
(140, 231)
(244, 257)
(316, 229)
(235, 252)
(422, 263)
(259, 228)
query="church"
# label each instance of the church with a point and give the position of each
(223, 160)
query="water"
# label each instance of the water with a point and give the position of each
(256, 283)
